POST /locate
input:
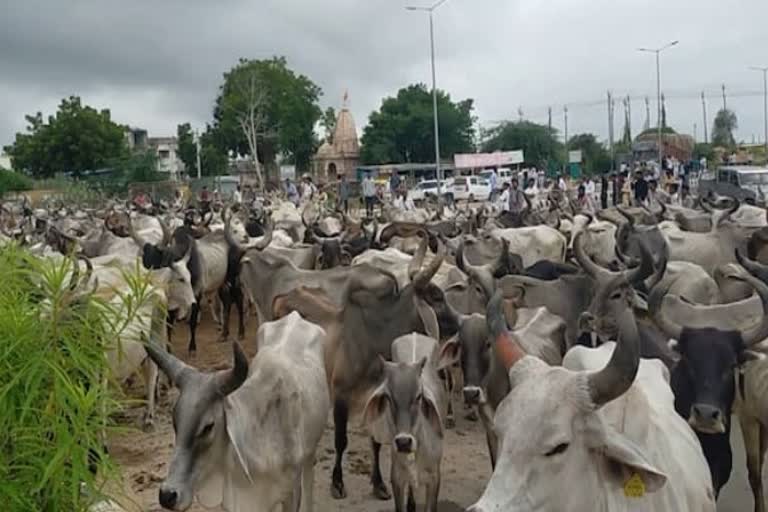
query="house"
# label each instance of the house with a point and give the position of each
(168, 161)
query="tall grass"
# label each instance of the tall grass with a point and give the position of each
(54, 405)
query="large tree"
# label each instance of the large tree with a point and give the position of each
(538, 142)
(328, 123)
(187, 148)
(402, 130)
(265, 109)
(76, 139)
(725, 124)
(595, 157)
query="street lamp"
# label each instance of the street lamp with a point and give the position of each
(657, 51)
(430, 10)
(765, 102)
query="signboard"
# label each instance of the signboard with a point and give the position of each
(497, 159)
(574, 157)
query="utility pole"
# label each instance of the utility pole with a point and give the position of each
(565, 114)
(629, 118)
(610, 122)
(725, 103)
(197, 145)
(549, 118)
(658, 51)
(765, 104)
(647, 114)
(695, 132)
(704, 112)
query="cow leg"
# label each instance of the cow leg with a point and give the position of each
(486, 415)
(340, 420)
(399, 487)
(750, 430)
(225, 296)
(150, 387)
(450, 419)
(193, 315)
(293, 502)
(169, 321)
(308, 485)
(433, 493)
(239, 297)
(379, 488)
(411, 506)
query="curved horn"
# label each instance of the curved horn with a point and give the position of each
(171, 366)
(166, 232)
(590, 267)
(424, 276)
(414, 266)
(75, 279)
(266, 239)
(660, 267)
(501, 266)
(616, 378)
(755, 268)
(645, 269)
(706, 206)
(508, 349)
(230, 380)
(655, 301)
(730, 211)
(626, 215)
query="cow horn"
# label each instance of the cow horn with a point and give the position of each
(660, 267)
(616, 378)
(75, 279)
(166, 232)
(590, 267)
(508, 349)
(172, 367)
(645, 268)
(266, 239)
(759, 332)
(706, 206)
(730, 211)
(501, 266)
(626, 215)
(230, 380)
(655, 302)
(418, 259)
(755, 268)
(425, 275)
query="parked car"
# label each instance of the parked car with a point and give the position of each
(471, 188)
(743, 183)
(502, 176)
(428, 188)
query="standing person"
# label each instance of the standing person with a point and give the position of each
(178, 200)
(204, 200)
(589, 188)
(516, 198)
(342, 194)
(604, 191)
(561, 183)
(503, 201)
(394, 183)
(493, 180)
(584, 201)
(291, 192)
(641, 188)
(237, 196)
(369, 194)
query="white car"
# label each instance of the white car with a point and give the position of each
(471, 188)
(428, 188)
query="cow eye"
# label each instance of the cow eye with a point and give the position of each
(206, 430)
(616, 296)
(557, 450)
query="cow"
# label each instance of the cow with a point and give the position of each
(406, 411)
(237, 446)
(535, 243)
(704, 378)
(375, 311)
(605, 420)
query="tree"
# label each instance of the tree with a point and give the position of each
(538, 142)
(596, 158)
(702, 150)
(328, 123)
(187, 148)
(213, 159)
(402, 130)
(265, 109)
(78, 138)
(725, 124)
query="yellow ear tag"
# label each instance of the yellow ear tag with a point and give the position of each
(635, 487)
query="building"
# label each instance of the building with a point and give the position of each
(5, 161)
(168, 161)
(136, 138)
(340, 155)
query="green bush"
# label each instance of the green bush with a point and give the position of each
(54, 405)
(13, 182)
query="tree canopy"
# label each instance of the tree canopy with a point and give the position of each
(279, 108)
(187, 149)
(402, 130)
(538, 142)
(76, 139)
(595, 156)
(328, 123)
(725, 124)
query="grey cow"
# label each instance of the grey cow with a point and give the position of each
(407, 411)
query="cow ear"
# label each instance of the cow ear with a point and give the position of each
(450, 353)
(674, 345)
(374, 417)
(628, 462)
(428, 318)
(432, 413)
(747, 356)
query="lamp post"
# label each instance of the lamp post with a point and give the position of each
(431, 10)
(765, 102)
(658, 51)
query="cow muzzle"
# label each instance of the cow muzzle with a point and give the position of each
(405, 443)
(707, 419)
(473, 395)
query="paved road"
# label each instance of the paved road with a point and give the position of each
(736, 496)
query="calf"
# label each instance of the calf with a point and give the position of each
(407, 411)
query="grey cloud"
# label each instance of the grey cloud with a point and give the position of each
(157, 64)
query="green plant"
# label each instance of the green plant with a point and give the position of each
(55, 406)
(13, 182)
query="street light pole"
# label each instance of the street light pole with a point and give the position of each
(431, 10)
(658, 51)
(765, 103)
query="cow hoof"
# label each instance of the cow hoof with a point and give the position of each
(380, 492)
(148, 425)
(450, 422)
(472, 415)
(338, 492)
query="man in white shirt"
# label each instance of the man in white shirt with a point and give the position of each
(561, 183)
(369, 194)
(502, 203)
(493, 180)
(237, 196)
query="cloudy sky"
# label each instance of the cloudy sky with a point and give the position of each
(158, 63)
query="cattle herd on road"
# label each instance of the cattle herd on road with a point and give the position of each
(604, 355)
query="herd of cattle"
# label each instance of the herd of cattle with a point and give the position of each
(608, 351)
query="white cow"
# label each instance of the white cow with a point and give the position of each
(600, 433)
(534, 244)
(246, 441)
